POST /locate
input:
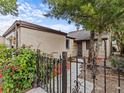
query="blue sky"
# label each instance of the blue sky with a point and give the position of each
(32, 11)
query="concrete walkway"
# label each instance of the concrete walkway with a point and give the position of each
(37, 90)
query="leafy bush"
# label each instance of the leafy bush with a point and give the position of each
(2, 46)
(18, 69)
(117, 61)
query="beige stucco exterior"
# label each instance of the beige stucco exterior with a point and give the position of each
(71, 50)
(50, 43)
(53, 44)
(85, 51)
(82, 43)
(2, 40)
(10, 39)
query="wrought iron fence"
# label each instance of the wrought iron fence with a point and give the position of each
(71, 75)
(51, 73)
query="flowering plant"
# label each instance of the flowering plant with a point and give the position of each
(18, 69)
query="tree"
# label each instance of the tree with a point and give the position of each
(8, 7)
(95, 15)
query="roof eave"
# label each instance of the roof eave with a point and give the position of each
(70, 37)
(11, 28)
(31, 26)
(89, 39)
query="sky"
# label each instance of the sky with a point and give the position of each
(32, 11)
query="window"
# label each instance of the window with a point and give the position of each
(67, 44)
(87, 45)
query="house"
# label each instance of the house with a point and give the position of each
(51, 41)
(82, 43)
(2, 40)
(48, 40)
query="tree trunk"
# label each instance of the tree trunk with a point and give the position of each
(121, 49)
(91, 50)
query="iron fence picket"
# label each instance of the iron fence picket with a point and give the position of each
(50, 76)
(37, 68)
(70, 73)
(119, 85)
(94, 75)
(64, 72)
(84, 75)
(57, 76)
(47, 74)
(54, 79)
(44, 73)
(77, 75)
(105, 49)
(60, 74)
(53, 76)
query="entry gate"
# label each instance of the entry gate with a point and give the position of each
(70, 75)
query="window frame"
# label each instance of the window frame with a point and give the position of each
(67, 44)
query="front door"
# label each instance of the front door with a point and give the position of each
(79, 49)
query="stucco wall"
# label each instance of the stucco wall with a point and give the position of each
(2, 40)
(71, 50)
(9, 40)
(47, 42)
(85, 52)
(75, 49)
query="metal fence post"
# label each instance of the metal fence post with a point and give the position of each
(84, 75)
(94, 75)
(64, 72)
(38, 69)
(105, 48)
(119, 91)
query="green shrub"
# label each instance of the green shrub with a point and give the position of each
(18, 69)
(117, 61)
(2, 46)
